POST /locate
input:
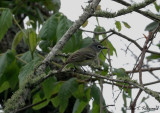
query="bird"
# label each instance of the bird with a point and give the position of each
(84, 56)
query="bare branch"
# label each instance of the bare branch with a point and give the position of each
(144, 70)
(134, 42)
(133, 104)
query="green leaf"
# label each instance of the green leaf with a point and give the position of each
(49, 28)
(79, 93)
(4, 86)
(100, 29)
(63, 26)
(82, 102)
(28, 58)
(152, 26)
(157, 7)
(32, 40)
(5, 22)
(53, 5)
(55, 101)
(6, 60)
(109, 45)
(9, 71)
(106, 67)
(95, 93)
(18, 37)
(79, 106)
(153, 56)
(144, 99)
(96, 107)
(75, 41)
(44, 44)
(126, 24)
(120, 72)
(27, 70)
(37, 98)
(86, 41)
(65, 93)
(118, 25)
(48, 86)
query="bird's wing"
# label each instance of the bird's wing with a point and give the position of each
(81, 55)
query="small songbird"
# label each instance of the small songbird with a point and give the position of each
(84, 56)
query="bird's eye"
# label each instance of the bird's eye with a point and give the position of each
(99, 46)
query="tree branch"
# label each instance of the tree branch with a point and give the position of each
(144, 70)
(134, 42)
(121, 12)
(123, 36)
(128, 81)
(144, 13)
(133, 104)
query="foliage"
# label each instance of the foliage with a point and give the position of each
(55, 91)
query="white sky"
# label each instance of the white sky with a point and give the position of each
(72, 9)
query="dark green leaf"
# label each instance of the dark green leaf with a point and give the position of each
(79, 106)
(18, 37)
(6, 60)
(86, 42)
(75, 41)
(157, 7)
(5, 22)
(48, 86)
(27, 56)
(126, 24)
(27, 70)
(53, 5)
(96, 107)
(37, 98)
(152, 26)
(124, 98)
(120, 72)
(4, 86)
(55, 101)
(44, 44)
(118, 25)
(95, 93)
(48, 31)
(8, 71)
(153, 56)
(82, 102)
(63, 26)
(105, 70)
(79, 93)
(65, 92)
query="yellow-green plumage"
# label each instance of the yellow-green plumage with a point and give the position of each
(84, 56)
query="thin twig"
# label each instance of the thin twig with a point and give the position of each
(133, 104)
(144, 70)
(96, 33)
(133, 41)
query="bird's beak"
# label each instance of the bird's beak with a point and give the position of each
(104, 47)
